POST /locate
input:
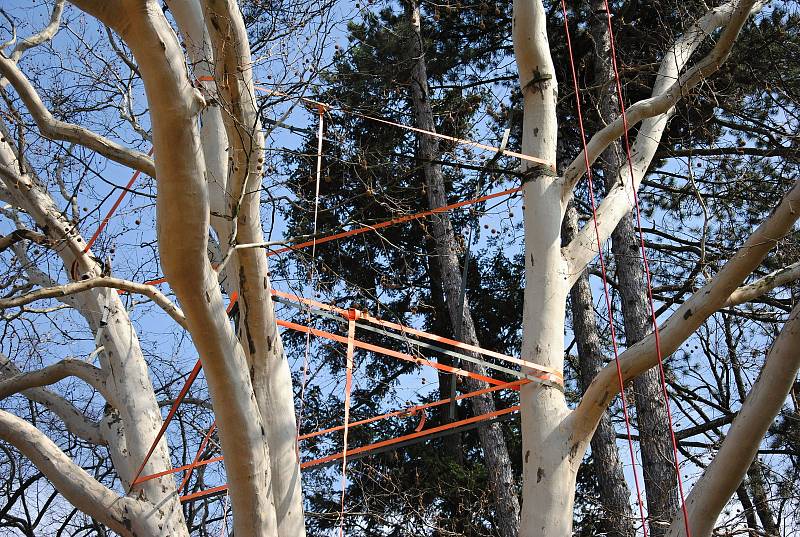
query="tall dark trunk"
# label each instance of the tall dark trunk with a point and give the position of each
(658, 461)
(613, 492)
(441, 325)
(501, 479)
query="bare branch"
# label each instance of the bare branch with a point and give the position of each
(18, 235)
(710, 494)
(76, 421)
(751, 291)
(667, 91)
(688, 317)
(54, 129)
(51, 374)
(44, 35)
(72, 288)
(664, 97)
(72, 481)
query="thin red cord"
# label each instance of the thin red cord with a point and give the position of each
(113, 208)
(647, 272)
(603, 271)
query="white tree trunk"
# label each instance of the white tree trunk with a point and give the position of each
(550, 462)
(183, 223)
(137, 416)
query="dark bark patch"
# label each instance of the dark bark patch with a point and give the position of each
(527, 454)
(539, 474)
(687, 314)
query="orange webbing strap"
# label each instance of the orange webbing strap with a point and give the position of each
(392, 222)
(548, 373)
(399, 439)
(114, 207)
(460, 141)
(348, 387)
(389, 352)
(367, 448)
(374, 227)
(410, 411)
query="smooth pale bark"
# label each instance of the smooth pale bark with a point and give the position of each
(137, 416)
(74, 420)
(505, 503)
(53, 373)
(550, 461)
(712, 491)
(183, 222)
(61, 291)
(763, 285)
(613, 491)
(554, 439)
(79, 488)
(54, 129)
(755, 475)
(269, 367)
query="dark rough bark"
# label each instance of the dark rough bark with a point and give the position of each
(658, 460)
(749, 511)
(452, 443)
(613, 490)
(501, 480)
(758, 488)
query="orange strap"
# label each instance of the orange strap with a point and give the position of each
(374, 227)
(392, 222)
(114, 207)
(203, 444)
(546, 373)
(367, 448)
(389, 352)
(410, 411)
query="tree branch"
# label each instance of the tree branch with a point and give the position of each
(54, 129)
(72, 481)
(45, 34)
(688, 317)
(664, 96)
(710, 494)
(668, 89)
(76, 421)
(85, 285)
(749, 292)
(51, 374)
(18, 235)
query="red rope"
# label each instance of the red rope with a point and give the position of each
(647, 272)
(603, 271)
(193, 375)
(178, 400)
(113, 208)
